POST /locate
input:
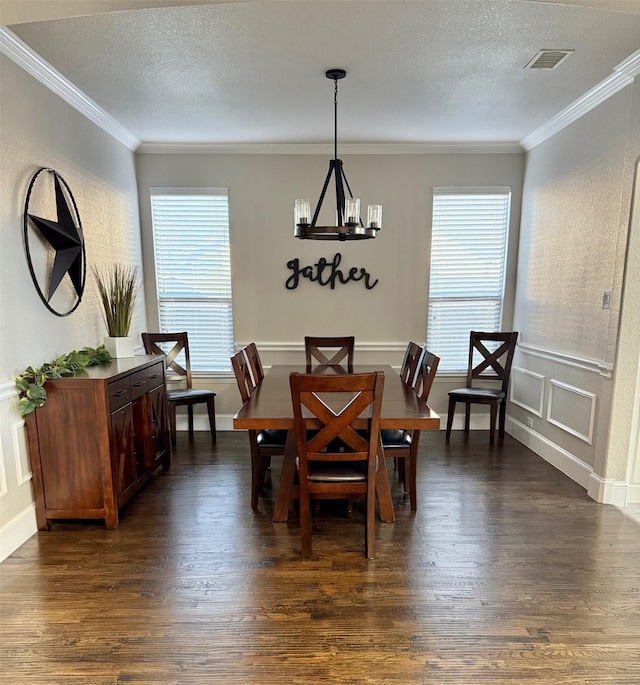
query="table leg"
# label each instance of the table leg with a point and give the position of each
(283, 498)
(383, 489)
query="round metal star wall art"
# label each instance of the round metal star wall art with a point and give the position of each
(63, 238)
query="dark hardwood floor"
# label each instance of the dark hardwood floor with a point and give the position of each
(507, 573)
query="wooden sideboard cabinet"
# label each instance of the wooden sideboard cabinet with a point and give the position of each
(98, 438)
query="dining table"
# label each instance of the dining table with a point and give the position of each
(270, 408)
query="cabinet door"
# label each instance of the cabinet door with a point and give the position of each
(123, 453)
(159, 449)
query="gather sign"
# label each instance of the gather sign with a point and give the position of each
(325, 272)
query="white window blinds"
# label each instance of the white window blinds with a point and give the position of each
(193, 271)
(468, 257)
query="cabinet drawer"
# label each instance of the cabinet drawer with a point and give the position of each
(139, 384)
(119, 393)
(155, 375)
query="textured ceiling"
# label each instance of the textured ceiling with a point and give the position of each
(253, 72)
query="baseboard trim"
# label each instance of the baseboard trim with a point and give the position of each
(17, 531)
(608, 491)
(558, 457)
(602, 490)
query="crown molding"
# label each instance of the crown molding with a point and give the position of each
(31, 62)
(450, 148)
(18, 51)
(623, 74)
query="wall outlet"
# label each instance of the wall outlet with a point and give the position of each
(530, 421)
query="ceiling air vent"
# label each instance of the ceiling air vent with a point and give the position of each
(548, 59)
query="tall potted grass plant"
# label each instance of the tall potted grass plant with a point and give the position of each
(118, 287)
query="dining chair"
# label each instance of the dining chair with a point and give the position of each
(412, 358)
(262, 444)
(490, 359)
(253, 357)
(403, 444)
(334, 403)
(338, 348)
(178, 361)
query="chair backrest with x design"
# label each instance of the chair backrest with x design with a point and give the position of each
(152, 345)
(338, 347)
(244, 377)
(490, 357)
(412, 358)
(425, 374)
(251, 352)
(347, 397)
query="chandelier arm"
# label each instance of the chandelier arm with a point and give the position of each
(339, 192)
(322, 194)
(344, 176)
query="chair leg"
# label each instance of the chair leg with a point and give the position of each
(492, 422)
(256, 473)
(467, 416)
(305, 524)
(502, 418)
(370, 523)
(402, 474)
(172, 422)
(211, 409)
(413, 472)
(190, 414)
(452, 411)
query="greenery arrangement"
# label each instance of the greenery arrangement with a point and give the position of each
(118, 287)
(31, 381)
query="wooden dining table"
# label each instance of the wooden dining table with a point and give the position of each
(270, 408)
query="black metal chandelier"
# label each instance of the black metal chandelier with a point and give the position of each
(349, 223)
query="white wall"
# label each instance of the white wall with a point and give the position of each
(39, 130)
(574, 229)
(262, 189)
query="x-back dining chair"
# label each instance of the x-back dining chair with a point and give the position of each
(253, 357)
(263, 444)
(490, 359)
(335, 402)
(402, 444)
(412, 358)
(178, 360)
(338, 347)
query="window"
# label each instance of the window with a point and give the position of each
(193, 271)
(468, 256)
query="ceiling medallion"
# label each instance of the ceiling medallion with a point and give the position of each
(61, 240)
(349, 224)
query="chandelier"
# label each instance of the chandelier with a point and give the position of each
(349, 223)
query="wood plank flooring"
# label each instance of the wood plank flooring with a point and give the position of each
(507, 573)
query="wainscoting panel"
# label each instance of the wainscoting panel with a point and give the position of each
(3, 474)
(527, 390)
(18, 519)
(572, 409)
(21, 451)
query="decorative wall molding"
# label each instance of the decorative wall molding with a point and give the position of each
(589, 396)
(382, 347)
(517, 371)
(633, 494)
(20, 449)
(17, 531)
(8, 390)
(592, 365)
(18, 51)
(451, 148)
(3, 474)
(563, 460)
(607, 491)
(623, 74)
